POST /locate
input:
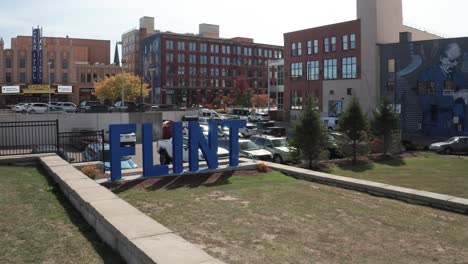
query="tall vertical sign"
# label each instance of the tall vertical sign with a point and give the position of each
(37, 55)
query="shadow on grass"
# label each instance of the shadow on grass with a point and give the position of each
(107, 254)
(173, 182)
(356, 168)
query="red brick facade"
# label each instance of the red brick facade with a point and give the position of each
(302, 85)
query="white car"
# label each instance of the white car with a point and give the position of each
(36, 108)
(125, 139)
(67, 106)
(259, 117)
(249, 130)
(18, 108)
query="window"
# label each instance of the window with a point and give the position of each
(296, 71)
(309, 47)
(329, 69)
(22, 77)
(64, 64)
(193, 58)
(352, 39)
(326, 45)
(192, 46)
(391, 65)
(64, 77)
(296, 100)
(22, 63)
(270, 54)
(7, 63)
(348, 68)
(246, 52)
(203, 47)
(214, 60)
(426, 88)
(169, 57)
(349, 91)
(88, 77)
(52, 77)
(52, 63)
(391, 85)
(181, 45)
(181, 70)
(280, 75)
(192, 71)
(332, 92)
(313, 70)
(293, 50)
(214, 48)
(203, 71)
(316, 47)
(345, 42)
(8, 77)
(82, 77)
(299, 49)
(169, 44)
(181, 58)
(203, 59)
(333, 44)
(280, 100)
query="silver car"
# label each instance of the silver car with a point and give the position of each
(451, 145)
(278, 146)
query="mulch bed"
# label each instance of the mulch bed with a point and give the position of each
(173, 182)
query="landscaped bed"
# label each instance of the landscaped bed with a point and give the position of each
(272, 218)
(425, 171)
(38, 225)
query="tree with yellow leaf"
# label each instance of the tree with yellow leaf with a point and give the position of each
(111, 88)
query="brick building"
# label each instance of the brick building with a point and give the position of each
(187, 69)
(71, 65)
(336, 62)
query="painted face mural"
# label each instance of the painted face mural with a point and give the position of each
(450, 58)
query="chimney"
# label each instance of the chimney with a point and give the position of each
(405, 37)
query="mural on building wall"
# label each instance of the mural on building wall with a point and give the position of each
(152, 65)
(431, 84)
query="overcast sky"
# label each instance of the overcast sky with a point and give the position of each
(263, 20)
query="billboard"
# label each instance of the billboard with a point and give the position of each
(37, 55)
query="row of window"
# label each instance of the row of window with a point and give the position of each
(170, 82)
(214, 60)
(22, 77)
(329, 45)
(330, 69)
(225, 49)
(22, 63)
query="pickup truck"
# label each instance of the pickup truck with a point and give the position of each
(164, 148)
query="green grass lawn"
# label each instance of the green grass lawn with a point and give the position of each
(429, 172)
(272, 218)
(37, 225)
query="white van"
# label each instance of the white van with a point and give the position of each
(330, 123)
(209, 113)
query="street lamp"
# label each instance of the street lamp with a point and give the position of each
(50, 64)
(268, 75)
(122, 66)
(152, 70)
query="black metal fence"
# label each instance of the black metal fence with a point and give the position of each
(82, 146)
(32, 137)
(18, 138)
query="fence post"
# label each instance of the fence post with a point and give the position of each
(102, 152)
(57, 144)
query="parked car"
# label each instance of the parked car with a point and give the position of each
(212, 114)
(85, 105)
(258, 117)
(18, 108)
(127, 106)
(128, 139)
(144, 107)
(269, 128)
(451, 145)
(329, 123)
(52, 149)
(67, 106)
(165, 151)
(278, 146)
(249, 130)
(84, 137)
(97, 108)
(164, 107)
(95, 152)
(248, 149)
(36, 108)
(55, 110)
(241, 113)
